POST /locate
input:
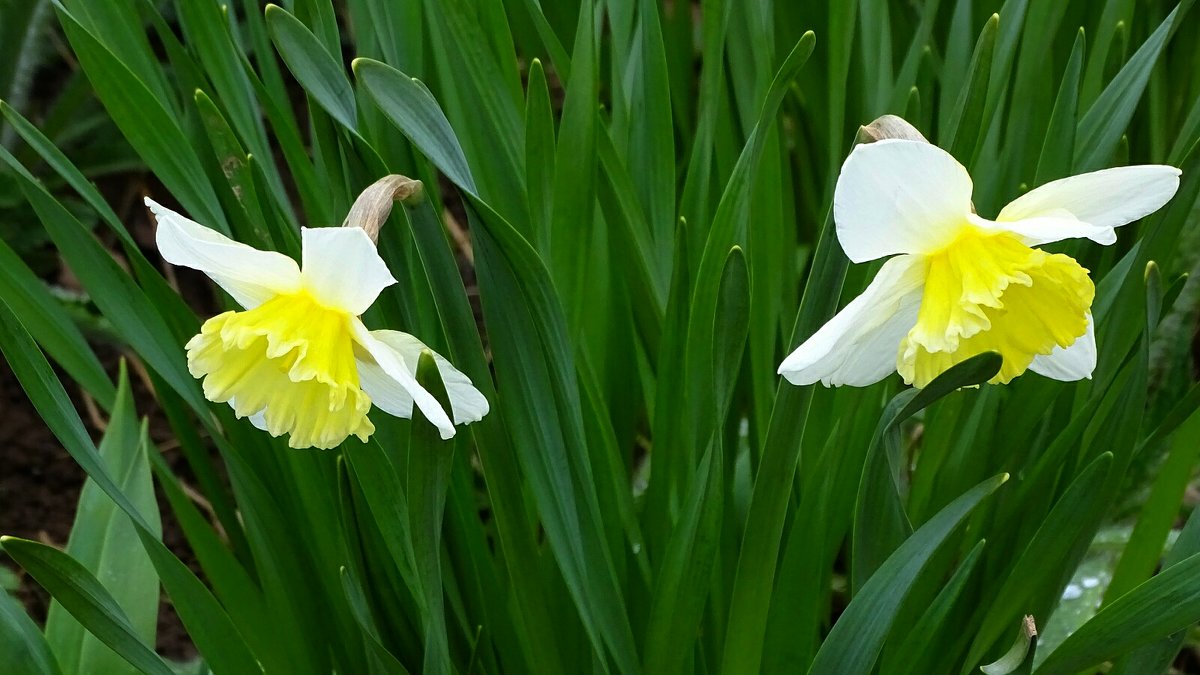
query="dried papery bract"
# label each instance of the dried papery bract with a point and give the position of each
(373, 206)
(889, 126)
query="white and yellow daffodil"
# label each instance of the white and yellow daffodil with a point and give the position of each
(959, 284)
(298, 360)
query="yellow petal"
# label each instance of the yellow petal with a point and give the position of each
(291, 359)
(990, 292)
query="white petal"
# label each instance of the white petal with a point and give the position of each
(1073, 363)
(259, 420)
(858, 346)
(390, 364)
(1050, 228)
(249, 275)
(1094, 202)
(896, 196)
(342, 267)
(467, 404)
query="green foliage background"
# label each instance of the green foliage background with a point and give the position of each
(646, 188)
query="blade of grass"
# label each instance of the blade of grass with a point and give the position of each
(314, 68)
(1059, 146)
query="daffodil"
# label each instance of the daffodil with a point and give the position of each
(959, 284)
(298, 360)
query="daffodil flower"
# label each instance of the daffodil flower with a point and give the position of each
(298, 360)
(959, 284)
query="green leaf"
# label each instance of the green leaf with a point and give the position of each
(687, 566)
(1106, 120)
(81, 594)
(314, 68)
(23, 645)
(651, 147)
(539, 157)
(412, 108)
(104, 542)
(1059, 147)
(1060, 541)
(1141, 555)
(231, 583)
(182, 320)
(1018, 660)
(415, 112)
(358, 604)
(748, 609)
(209, 33)
(880, 523)
(1168, 602)
(481, 94)
(1157, 656)
(856, 639)
(965, 129)
(732, 324)
(150, 127)
(541, 408)
(52, 327)
(135, 317)
(429, 462)
(780, 456)
(689, 557)
(1113, 22)
(207, 623)
(571, 223)
(249, 221)
(922, 646)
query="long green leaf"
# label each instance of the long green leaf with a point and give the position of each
(1101, 127)
(1166, 603)
(206, 621)
(880, 523)
(429, 463)
(23, 645)
(81, 594)
(150, 127)
(1038, 572)
(105, 543)
(856, 639)
(313, 67)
